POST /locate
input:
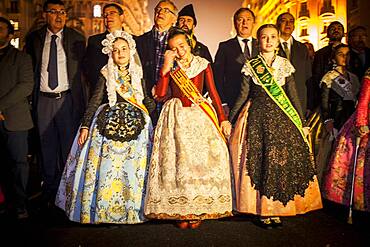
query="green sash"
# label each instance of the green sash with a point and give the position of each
(277, 94)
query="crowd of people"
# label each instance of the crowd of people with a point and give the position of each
(151, 127)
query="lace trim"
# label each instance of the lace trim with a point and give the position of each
(110, 70)
(197, 65)
(329, 77)
(188, 216)
(281, 68)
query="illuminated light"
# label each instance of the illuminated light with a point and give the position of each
(15, 25)
(306, 29)
(15, 42)
(97, 10)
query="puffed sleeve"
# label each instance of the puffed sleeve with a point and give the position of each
(216, 101)
(162, 85)
(362, 115)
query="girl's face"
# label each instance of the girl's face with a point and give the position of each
(268, 39)
(342, 56)
(121, 52)
(180, 46)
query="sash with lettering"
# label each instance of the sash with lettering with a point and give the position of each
(193, 94)
(276, 93)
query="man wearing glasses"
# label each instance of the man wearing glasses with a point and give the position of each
(151, 47)
(95, 59)
(58, 98)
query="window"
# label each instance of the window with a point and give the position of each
(97, 11)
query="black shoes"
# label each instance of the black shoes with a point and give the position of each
(264, 223)
(269, 222)
(21, 213)
(276, 222)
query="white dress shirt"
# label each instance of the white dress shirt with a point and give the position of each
(63, 83)
(289, 43)
(242, 44)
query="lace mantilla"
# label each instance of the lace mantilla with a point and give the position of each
(281, 68)
(110, 71)
(329, 77)
(197, 65)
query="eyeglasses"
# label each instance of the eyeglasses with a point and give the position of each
(56, 12)
(165, 10)
(105, 15)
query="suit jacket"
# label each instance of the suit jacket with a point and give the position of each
(74, 47)
(16, 84)
(355, 63)
(227, 67)
(146, 50)
(303, 71)
(202, 51)
(94, 59)
(321, 64)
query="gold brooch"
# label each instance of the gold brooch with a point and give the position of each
(260, 69)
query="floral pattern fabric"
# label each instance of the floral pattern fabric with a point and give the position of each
(104, 181)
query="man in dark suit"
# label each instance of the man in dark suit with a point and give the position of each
(297, 54)
(322, 63)
(16, 84)
(95, 59)
(231, 56)
(359, 59)
(58, 97)
(151, 47)
(187, 21)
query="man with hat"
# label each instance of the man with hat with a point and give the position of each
(187, 21)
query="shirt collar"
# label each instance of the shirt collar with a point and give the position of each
(240, 39)
(289, 41)
(59, 34)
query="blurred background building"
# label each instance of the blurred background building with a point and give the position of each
(214, 16)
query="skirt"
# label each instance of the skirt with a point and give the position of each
(189, 175)
(104, 180)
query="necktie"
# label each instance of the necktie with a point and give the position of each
(286, 50)
(52, 67)
(247, 53)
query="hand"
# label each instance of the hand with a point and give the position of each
(329, 126)
(226, 128)
(153, 92)
(169, 58)
(362, 130)
(226, 110)
(83, 136)
(306, 131)
(2, 118)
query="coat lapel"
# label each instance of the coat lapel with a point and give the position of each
(235, 47)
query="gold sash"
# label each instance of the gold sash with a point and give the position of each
(192, 93)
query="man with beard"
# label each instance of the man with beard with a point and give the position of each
(231, 56)
(322, 62)
(151, 47)
(187, 21)
(15, 118)
(297, 53)
(95, 59)
(359, 59)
